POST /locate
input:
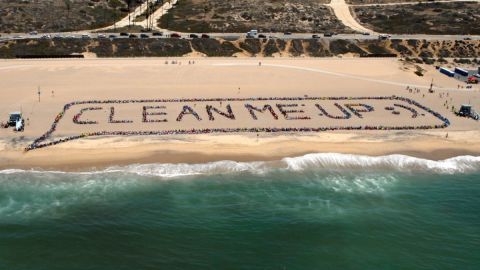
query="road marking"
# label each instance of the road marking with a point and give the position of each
(343, 75)
(14, 67)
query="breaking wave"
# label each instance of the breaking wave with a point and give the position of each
(396, 163)
(308, 180)
(320, 161)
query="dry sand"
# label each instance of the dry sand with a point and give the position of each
(102, 79)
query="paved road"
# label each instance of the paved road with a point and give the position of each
(233, 36)
(342, 12)
(413, 3)
(127, 20)
(162, 11)
(130, 18)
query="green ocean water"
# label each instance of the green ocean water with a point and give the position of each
(313, 212)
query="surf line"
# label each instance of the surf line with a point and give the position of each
(292, 108)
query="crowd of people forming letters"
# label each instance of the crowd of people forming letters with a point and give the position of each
(355, 108)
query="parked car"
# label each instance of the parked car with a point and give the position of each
(133, 36)
(467, 38)
(85, 36)
(157, 34)
(262, 36)
(193, 36)
(205, 36)
(175, 35)
(383, 37)
(14, 117)
(112, 36)
(328, 34)
(33, 33)
(366, 33)
(144, 36)
(102, 36)
(287, 33)
(315, 36)
(123, 34)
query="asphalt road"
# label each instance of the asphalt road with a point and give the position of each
(19, 36)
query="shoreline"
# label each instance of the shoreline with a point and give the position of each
(285, 108)
(106, 152)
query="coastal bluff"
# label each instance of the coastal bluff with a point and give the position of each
(424, 49)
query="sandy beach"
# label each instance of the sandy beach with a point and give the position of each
(220, 88)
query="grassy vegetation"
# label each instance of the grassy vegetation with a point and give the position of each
(60, 15)
(460, 18)
(243, 15)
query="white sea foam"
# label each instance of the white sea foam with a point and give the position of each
(398, 163)
(35, 193)
(309, 162)
(178, 170)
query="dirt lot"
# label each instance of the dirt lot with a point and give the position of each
(60, 15)
(459, 18)
(243, 15)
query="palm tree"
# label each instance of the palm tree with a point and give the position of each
(129, 4)
(68, 5)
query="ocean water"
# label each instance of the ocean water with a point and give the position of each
(319, 211)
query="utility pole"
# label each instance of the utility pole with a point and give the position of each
(39, 93)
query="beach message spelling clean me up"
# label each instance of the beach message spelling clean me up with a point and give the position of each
(236, 115)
